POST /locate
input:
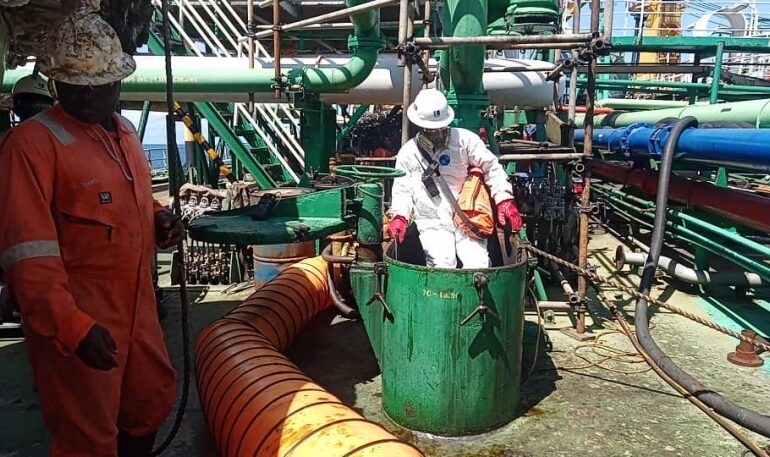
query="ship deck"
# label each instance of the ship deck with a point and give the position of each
(570, 406)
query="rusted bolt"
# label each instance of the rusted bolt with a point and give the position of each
(745, 354)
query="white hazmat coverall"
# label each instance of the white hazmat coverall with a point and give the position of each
(442, 240)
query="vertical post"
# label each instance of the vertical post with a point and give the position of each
(403, 17)
(143, 119)
(717, 75)
(609, 15)
(692, 95)
(426, 33)
(250, 43)
(407, 88)
(585, 198)
(573, 77)
(277, 47)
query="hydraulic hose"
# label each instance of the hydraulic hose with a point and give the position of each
(742, 416)
(173, 162)
(257, 402)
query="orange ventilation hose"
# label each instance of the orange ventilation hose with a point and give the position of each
(258, 403)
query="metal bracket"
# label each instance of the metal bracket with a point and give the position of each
(381, 271)
(480, 282)
(592, 208)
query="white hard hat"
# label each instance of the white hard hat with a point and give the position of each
(83, 49)
(31, 84)
(430, 110)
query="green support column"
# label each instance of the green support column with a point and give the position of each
(717, 75)
(142, 127)
(318, 133)
(466, 18)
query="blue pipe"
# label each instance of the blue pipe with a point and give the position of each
(747, 149)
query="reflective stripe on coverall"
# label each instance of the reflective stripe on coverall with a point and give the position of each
(441, 239)
(76, 247)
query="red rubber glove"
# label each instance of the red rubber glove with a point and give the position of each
(397, 228)
(508, 214)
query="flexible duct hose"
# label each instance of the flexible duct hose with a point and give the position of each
(742, 416)
(258, 403)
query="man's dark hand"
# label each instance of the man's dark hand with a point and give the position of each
(98, 349)
(169, 229)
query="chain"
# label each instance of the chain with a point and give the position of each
(630, 290)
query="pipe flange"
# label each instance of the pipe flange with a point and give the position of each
(620, 258)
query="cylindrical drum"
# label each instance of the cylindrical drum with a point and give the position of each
(451, 349)
(271, 259)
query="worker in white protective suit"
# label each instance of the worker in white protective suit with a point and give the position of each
(455, 150)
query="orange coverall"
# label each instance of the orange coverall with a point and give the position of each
(76, 247)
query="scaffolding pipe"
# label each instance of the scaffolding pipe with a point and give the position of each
(501, 41)
(403, 18)
(407, 90)
(277, 47)
(687, 274)
(574, 73)
(427, 79)
(352, 11)
(585, 196)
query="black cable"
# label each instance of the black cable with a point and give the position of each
(173, 160)
(742, 416)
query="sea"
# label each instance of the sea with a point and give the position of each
(156, 154)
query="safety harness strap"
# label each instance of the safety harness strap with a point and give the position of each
(433, 169)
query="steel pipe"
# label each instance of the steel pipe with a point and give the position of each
(351, 11)
(276, 48)
(687, 274)
(534, 157)
(742, 207)
(230, 80)
(501, 41)
(736, 148)
(709, 236)
(754, 112)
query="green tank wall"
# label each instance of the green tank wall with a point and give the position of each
(438, 376)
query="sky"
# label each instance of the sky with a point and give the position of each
(156, 127)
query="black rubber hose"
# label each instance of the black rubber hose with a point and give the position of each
(744, 417)
(173, 161)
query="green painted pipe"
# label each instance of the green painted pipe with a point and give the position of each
(723, 88)
(639, 104)
(755, 112)
(466, 18)
(365, 44)
(620, 198)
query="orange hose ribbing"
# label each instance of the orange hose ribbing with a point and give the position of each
(258, 403)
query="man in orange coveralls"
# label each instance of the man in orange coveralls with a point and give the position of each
(79, 229)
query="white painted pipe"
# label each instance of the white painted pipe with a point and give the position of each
(689, 275)
(510, 82)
